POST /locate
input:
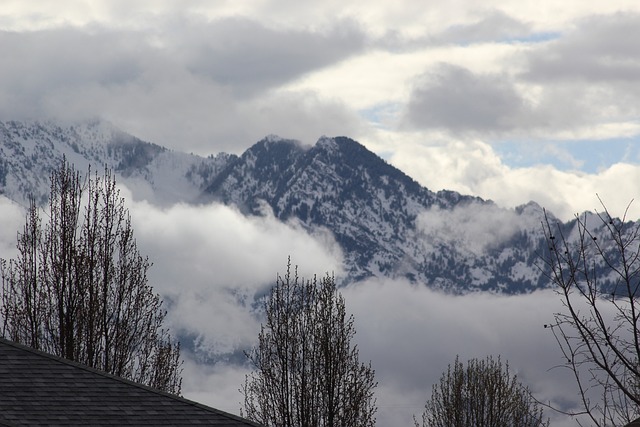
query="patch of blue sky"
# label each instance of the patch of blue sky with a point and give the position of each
(382, 115)
(532, 38)
(585, 156)
(540, 37)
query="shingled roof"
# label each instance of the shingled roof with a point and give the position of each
(39, 389)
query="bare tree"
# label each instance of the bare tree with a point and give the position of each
(78, 287)
(307, 371)
(595, 267)
(484, 394)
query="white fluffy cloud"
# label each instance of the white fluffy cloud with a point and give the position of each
(477, 169)
(474, 227)
(211, 262)
(13, 218)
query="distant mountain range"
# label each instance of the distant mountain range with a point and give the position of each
(385, 222)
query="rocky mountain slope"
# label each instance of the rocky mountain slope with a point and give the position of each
(386, 223)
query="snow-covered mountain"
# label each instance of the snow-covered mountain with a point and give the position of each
(29, 151)
(385, 222)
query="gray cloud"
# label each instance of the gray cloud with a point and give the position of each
(144, 86)
(39, 65)
(602, 49)
(68, 56)
(454, 98)
(576, 83)
(490, 26)
(491, 105)
(209, 78)
(411, 334)
(495, 26)
(589, 76)
(214, 385)
(250, 57)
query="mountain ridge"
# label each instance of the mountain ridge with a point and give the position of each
(385, 222)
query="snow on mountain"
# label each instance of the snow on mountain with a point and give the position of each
(29, 151)
(385, 222)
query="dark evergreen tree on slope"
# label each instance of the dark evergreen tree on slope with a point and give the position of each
(78, 287)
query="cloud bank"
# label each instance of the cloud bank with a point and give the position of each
(211, 263)
(411, 334)
(474, 227)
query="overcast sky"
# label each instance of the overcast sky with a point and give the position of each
(508, 100)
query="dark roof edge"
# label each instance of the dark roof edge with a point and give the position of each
(122, 380)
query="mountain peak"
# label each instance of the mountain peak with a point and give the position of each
(274, 145)
(341, 143)
(326, 142)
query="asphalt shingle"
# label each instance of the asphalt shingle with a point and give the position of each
(39, 389)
